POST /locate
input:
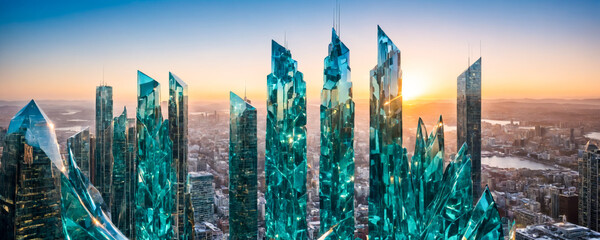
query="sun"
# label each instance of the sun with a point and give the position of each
(413, 86)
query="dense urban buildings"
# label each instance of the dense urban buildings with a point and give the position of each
(30, 194)
(468, 120)
(243, 153)
(589, 188)
(155, 193)
(122, 209)
(202, 195)
(558, 231)
(178, 132)
(385, 142)
(285, 154)
(102, 177)
(336, 170)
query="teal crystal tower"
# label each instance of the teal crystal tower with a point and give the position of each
(243, 159)
(468, 119)
(178, 132)
(53, 200)
(285, 154)
(80, 146)
(102, 177)
(30, 175)
(122, 209)
(156, 175)
(336, 171)
(388, 163)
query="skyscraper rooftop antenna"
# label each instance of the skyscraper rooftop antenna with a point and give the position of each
(103, 83)
(479, 48)
(245, 86)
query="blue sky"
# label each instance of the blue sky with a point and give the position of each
(537, 49)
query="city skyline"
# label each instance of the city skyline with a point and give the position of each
(59, 44)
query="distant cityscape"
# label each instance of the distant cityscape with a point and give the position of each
(476, 168)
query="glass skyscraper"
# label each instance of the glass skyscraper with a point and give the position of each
(80, 148)
(468, 120)
(178, 132)
(243, 153)
(336, 172)
(156, 175)
(30, 197)
(122, 209)
(388, 164)
(103, 159)
(589, 187)
(285, 155)
(202, 196)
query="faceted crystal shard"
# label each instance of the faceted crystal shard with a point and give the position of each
(285, 155)
(389, 185)
(122, 209)
(102, 176)
(243, 156)
(468, 127)
(178, 132)
(485, 221)
(83, 216)
(156, 175)
(336, 172)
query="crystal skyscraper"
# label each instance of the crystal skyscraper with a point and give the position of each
(178, 132)
(387, 164)
(80, 147)
(122, 209)
(30, 200)
(285, 155)
(468, 120)
(103, 159)
(156, 175)
(243, 154)
(589, 187)
(336, 172)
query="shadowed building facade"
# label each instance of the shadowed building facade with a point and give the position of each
(336, 171)
(285, 155)
(80, 148)
(468, 120)
(385, 142)
(178, 132)
(122, 209)
(104, 134)
(589, 188)
(243, 154)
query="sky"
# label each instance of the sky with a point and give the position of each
(61, 50)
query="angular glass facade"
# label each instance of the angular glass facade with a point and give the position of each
(589, 187)
(285, 155)
(243, 154)
(178, 132)
(45, 198)
(388, 163)
(80, 146)
(336, 171)
(122, 209)
(30, 174)
(468, 120)
(102, 177)
(156, 174)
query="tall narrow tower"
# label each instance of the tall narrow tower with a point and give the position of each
(336, 171)
(285, 155)
(589, 188)
(122, 209)
(103, 160)
(243, 154)
(155, 189)
(387, 164)
(468, 120)
(178, 132)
